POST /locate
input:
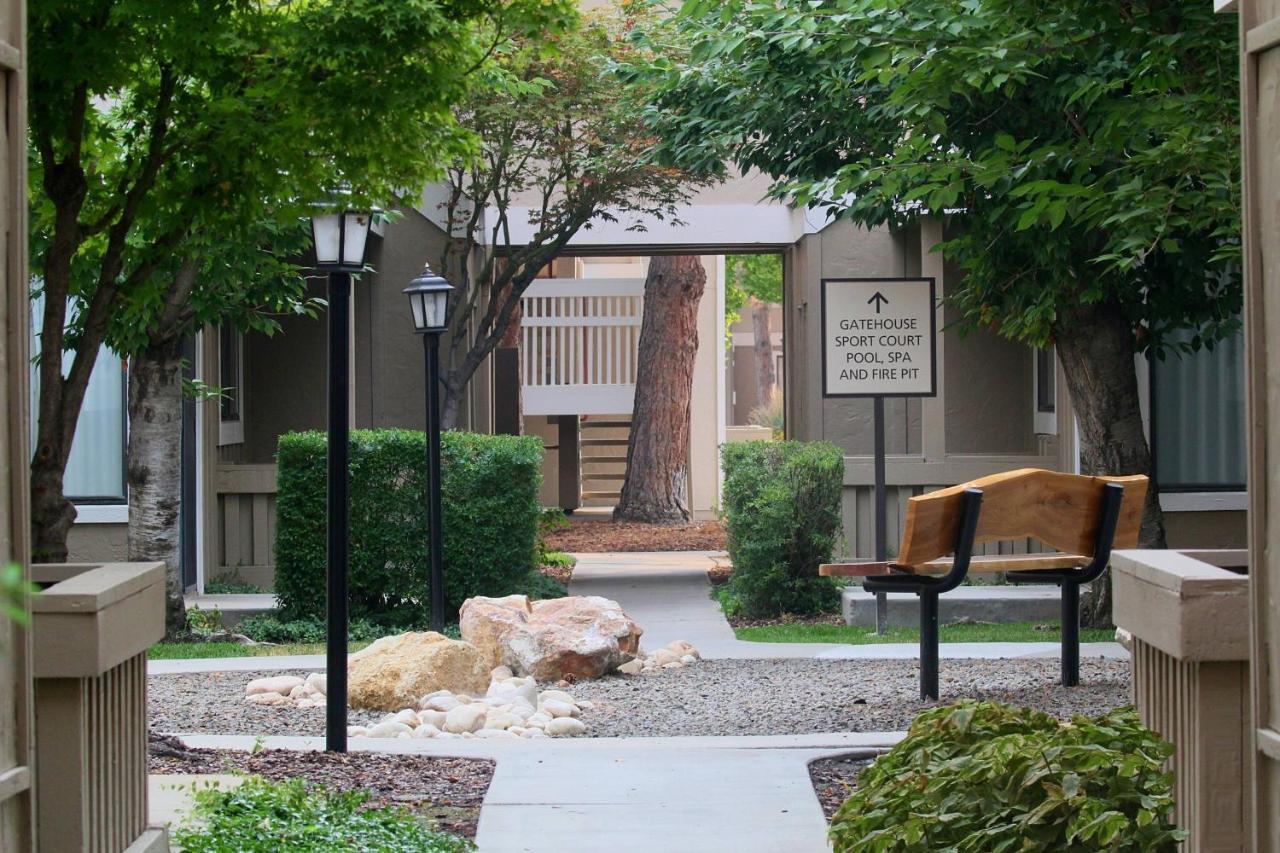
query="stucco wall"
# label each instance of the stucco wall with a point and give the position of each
(93, 543)
(1226, 529)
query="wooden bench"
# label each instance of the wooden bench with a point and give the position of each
(1082, 517)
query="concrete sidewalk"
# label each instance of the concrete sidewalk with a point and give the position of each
(637, 795)
(668, 595)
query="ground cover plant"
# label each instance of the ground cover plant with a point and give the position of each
(782, 515)
(984, 777)
(969, 632)
(269, 816)
(491, 514)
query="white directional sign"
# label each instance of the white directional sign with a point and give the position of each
(879, 337)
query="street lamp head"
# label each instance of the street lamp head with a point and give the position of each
(429, 298)
(340, 236)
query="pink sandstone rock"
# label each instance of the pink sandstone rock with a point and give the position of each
(578, 636)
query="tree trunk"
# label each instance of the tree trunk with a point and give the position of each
(52, 514)
(155, 470)
(656, 484)
(1097, 351)
(766, 374)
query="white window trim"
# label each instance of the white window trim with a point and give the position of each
(232, 432)
(1204, 501)
(102, 513)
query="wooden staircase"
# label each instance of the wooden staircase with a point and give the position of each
(603, 439)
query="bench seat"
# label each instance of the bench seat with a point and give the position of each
(992, 563)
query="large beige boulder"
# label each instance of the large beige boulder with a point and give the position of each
(395, 672)
(578, 636)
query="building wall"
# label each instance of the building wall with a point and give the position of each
(98, 543)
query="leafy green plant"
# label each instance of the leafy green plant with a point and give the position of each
(201, 621)
(551, 520)
(782, 516)
(981, 777)
(558, 559)
(490, 506)
(15, 589)
(258, 815)
(270, 629)
(231, 583)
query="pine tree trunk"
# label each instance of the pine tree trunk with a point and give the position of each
(155, 470)
(766, 374)
(1097, 352)
(656, 485)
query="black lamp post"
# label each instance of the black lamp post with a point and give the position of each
(429, 298)
(340, 238)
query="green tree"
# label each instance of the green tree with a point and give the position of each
(562, 146)
(175, 148)
(1085, 153)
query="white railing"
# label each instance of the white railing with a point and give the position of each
(578, 345)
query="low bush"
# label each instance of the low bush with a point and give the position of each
(270, 629)
(490, 507)
(258, 815)
(782, 515)
(981, 777)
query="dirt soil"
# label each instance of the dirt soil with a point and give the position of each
(603, 536)
(448, 790)
(833, 780)
(789, 619)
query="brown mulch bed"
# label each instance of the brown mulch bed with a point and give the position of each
(602, 536)
(448, 790)
(832, 780)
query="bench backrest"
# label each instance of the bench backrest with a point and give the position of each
(1061, 510)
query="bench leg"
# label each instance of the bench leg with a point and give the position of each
(928, 645)
(1070, 634)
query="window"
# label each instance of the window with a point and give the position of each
(1046, 391)
(231, 383)
(1197, 419)
(96, 467)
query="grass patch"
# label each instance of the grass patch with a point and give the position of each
(191, 651)
(1005, 632)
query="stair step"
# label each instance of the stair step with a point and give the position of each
(588, 496)
(603, 442)
(604, 475)
(603, 424)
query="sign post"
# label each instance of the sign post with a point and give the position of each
(879, 339)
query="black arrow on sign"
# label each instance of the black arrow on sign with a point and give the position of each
(878, 300)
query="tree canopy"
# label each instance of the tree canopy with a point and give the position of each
(562, 146)
(175, 146)
(1091, 145)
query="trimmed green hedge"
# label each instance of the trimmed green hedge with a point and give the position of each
(491, 510)
(982, 777)
(782, 514)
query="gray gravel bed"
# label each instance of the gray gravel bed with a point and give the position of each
(723, 697)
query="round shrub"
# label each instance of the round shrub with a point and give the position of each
(782, 516)
(490, 507)
(982, 777)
